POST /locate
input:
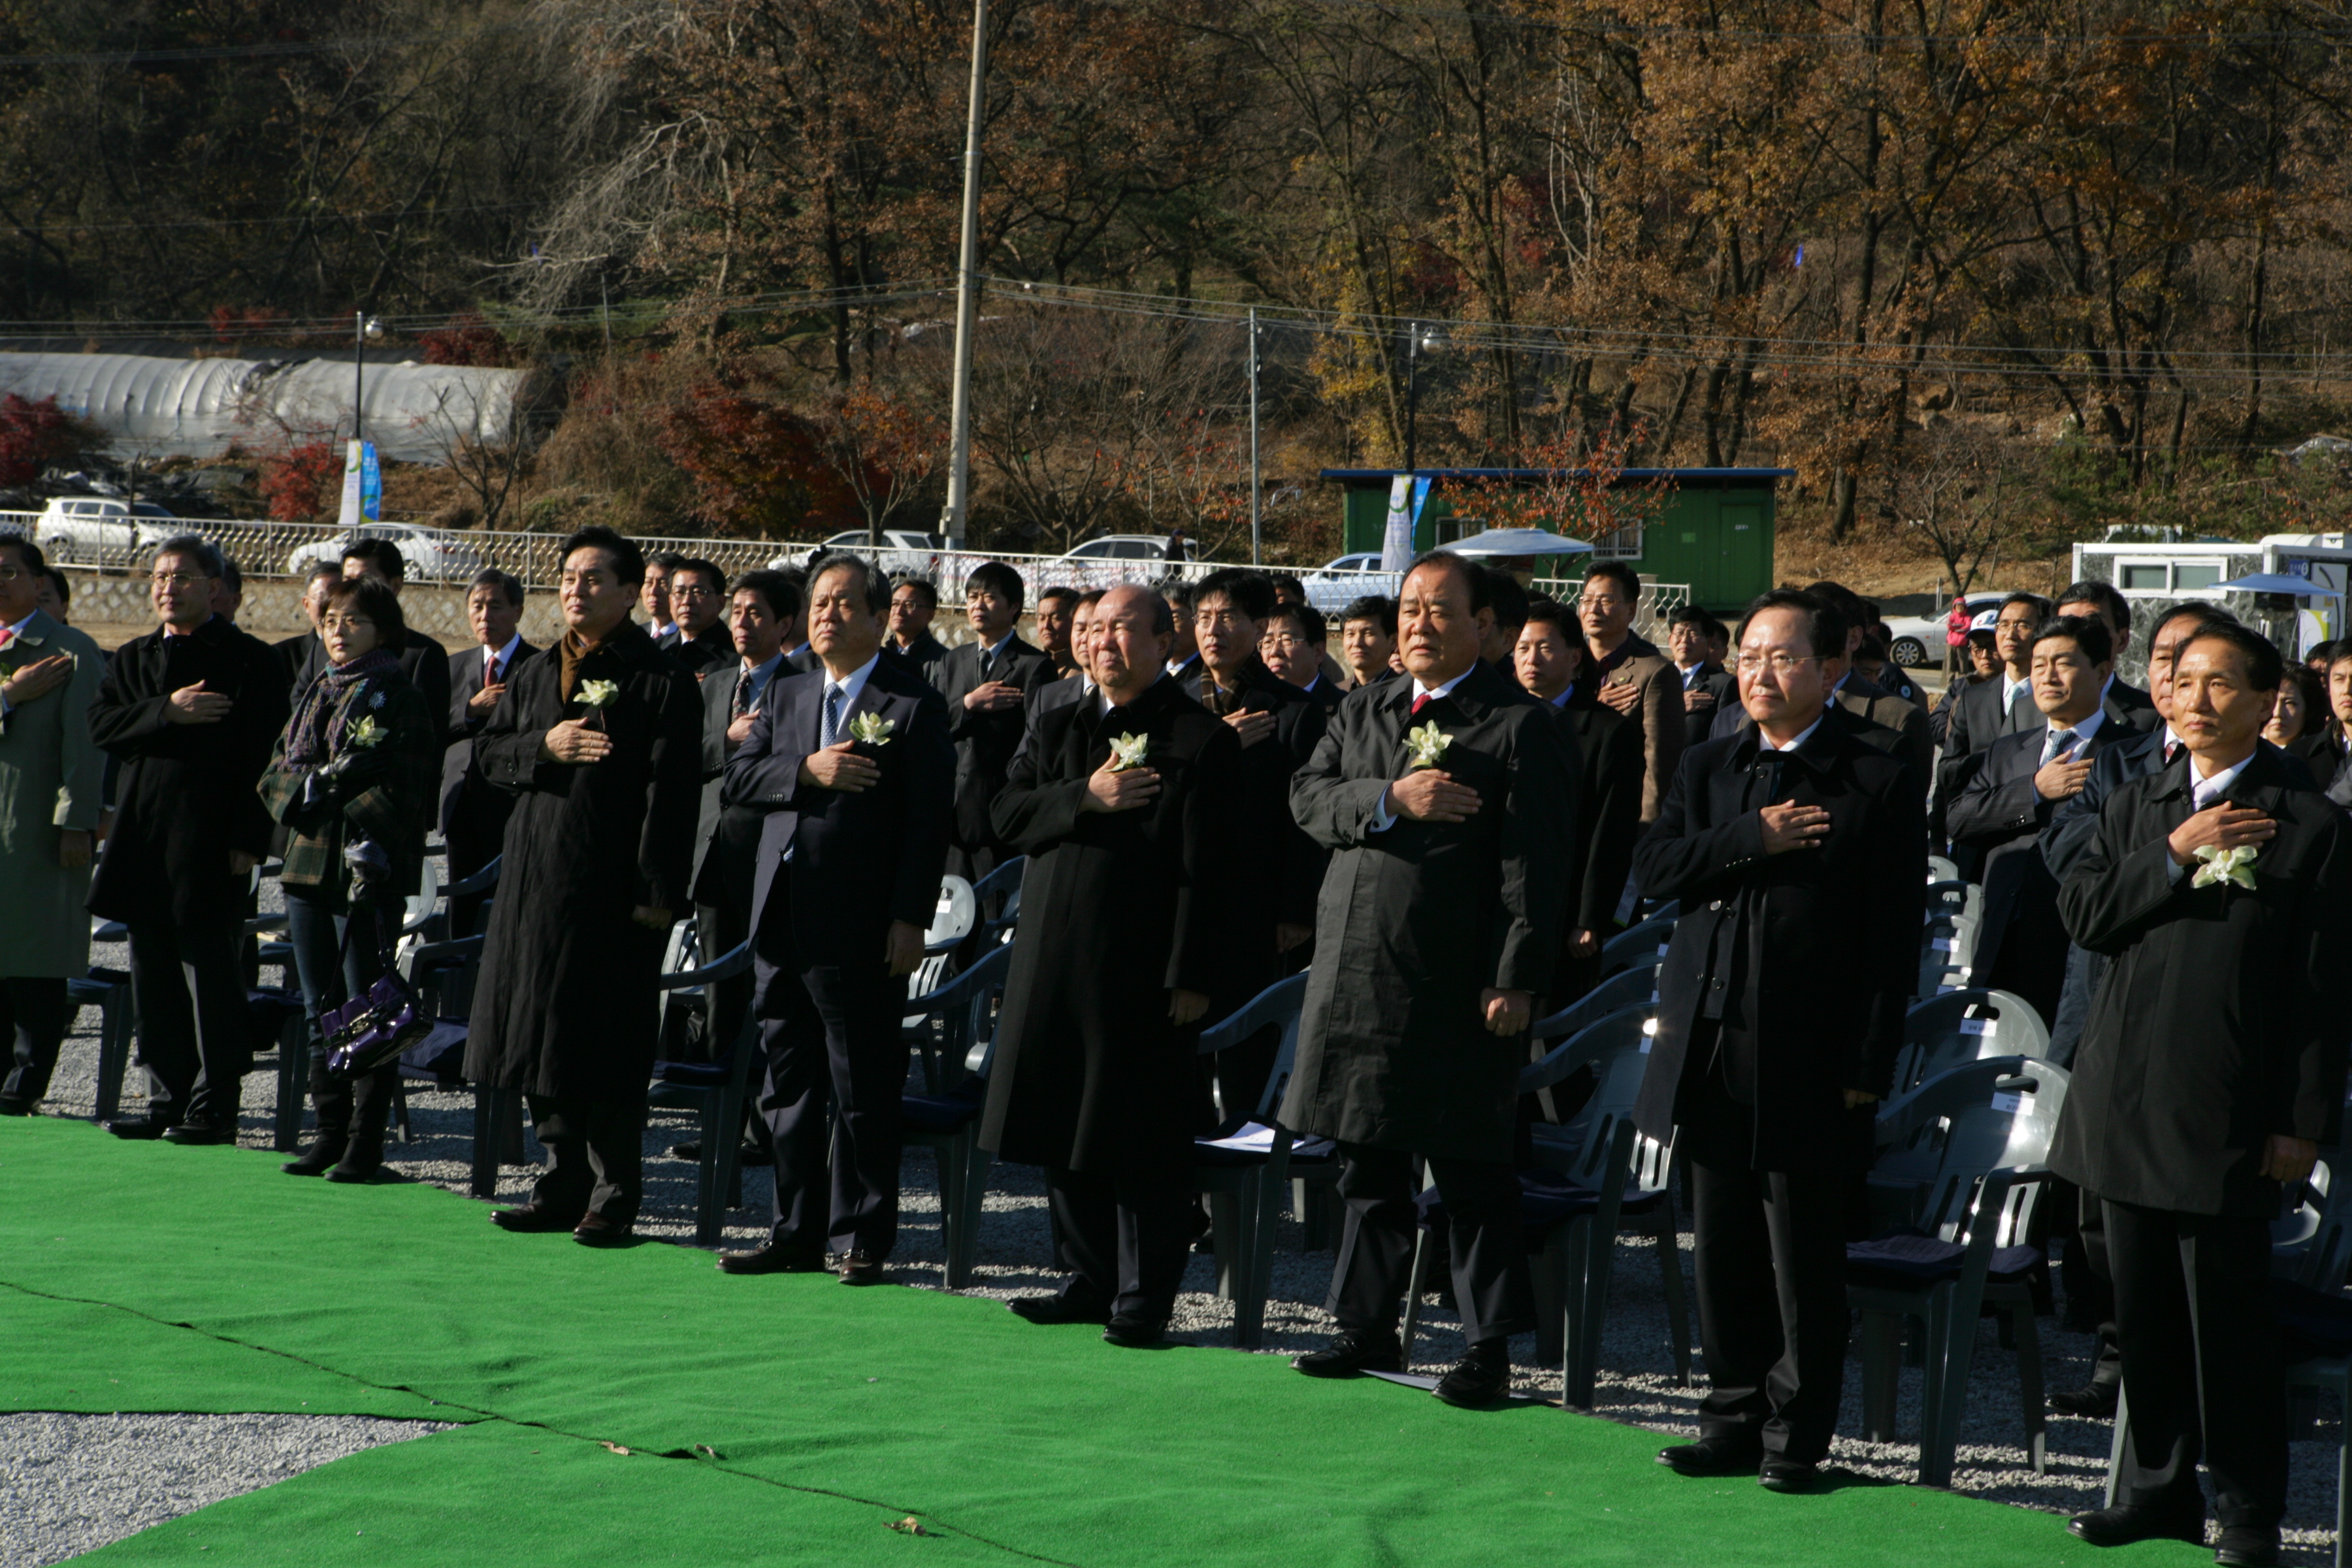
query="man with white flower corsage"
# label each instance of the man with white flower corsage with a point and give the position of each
(1448, 801)
(851, 771)
(601, 742)
(353, 783)
(2210, 1071)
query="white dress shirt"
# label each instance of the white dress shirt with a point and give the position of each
(2202, 793)
(1764, 741)
(1384, 813)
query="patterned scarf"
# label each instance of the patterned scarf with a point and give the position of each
(315, 733)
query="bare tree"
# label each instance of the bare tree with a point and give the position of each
(1958, 495)
(486, 446)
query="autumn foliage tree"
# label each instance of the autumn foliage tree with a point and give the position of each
(37, 434)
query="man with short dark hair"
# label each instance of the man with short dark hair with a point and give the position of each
(1055, 607)
(2106, 602)
(853, 774)
(2209, 1075)
(1183, 658)
(697, 598)
(2001, 706)
(1877, 718)
(228, 589)
(55, 596)
(1798, 852)
(986, 682)
(1290, 641)
(2019, 784)
(425, 661)
(600, 740)
(913, 603)
(1448, 802)
(301, 654)
(652, 594)
(1690, 633)
(1367, 632)
(1509, 601)
(1608, 749)
(1123, 804)
(474, 812)
(193, 711)
(1632, 675)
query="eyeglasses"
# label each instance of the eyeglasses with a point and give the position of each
(178, 579)
(345, 623)
(694, 591)
(1600, 601)
(10, 574)
(1217, 620)
(1283, 643)
(1781, 665)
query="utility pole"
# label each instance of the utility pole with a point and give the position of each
(1412, 396)
(954, 519)
(1256, 541)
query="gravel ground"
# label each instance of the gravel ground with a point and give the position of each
(1636, 1384)
(69, 1484)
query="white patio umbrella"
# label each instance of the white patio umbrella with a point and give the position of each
(1517, 541)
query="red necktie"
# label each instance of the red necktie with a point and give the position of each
(1421, 701)
(489, 670)
(2171, 750)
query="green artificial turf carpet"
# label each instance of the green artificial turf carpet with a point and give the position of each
(787, 1420)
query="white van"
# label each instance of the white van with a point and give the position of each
(103, 531)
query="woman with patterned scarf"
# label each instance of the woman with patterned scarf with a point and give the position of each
(352, 781)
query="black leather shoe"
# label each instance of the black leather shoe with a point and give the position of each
(200, 1133)
(531, 1219)
(11, 1106)
(316, 1160)
(1481, 1378)
(1356, 1351)
(2126, 1522)
(1065, 1308)
(2247, 1546)
(1713, 1456)
(1135, 1330)
(355, 1170)
(857, 1268)
(2094, 1400)
(595, 1230)
(138, 1129)
(1780, 1475)
(773, 1259)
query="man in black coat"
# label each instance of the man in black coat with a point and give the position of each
(300, 653)
(2003, 705)
(2014, 788)
(601, 741)
(1608, 749)
(2211, 1070)
(193, 710)
(1799, 853)
(985, 681)
(474, 813)
(1707, 686)
(913, 603)
(854, 774)
(1124, 804)
(1278, 727)
(1448, 800)
(698, 598)
(425, 661)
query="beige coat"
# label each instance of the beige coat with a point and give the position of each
(51, 779)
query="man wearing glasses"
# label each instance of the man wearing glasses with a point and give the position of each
(1778, 1018)
(192, 710)
(1632, 675)
(698, 598)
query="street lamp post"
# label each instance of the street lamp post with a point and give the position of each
(1412, 396)
(365, 330)
(954, 519)
(1254, 531)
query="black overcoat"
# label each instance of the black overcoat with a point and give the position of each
(186, 797)
(1608, 748)
(2218, 1023)
(1416, 920)
(1282, 865)
(1820, 946)
(986, 742)
(1117, 909)
(566, 1005)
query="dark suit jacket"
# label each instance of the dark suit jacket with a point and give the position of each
(1719, 683)
(1999, 817)
(726, 838)
(1812, 954)
(2219, 1024)
(924, 655)
(860, 859)
(702, 654)
(468, 804)
(986, 742)
(1117, 909)
(1287, 865)
(1326, 693)
(1975, 721)
(2137, 707)
(1881, 720)
(1608, 749)
(186, 796)
(1417, 918)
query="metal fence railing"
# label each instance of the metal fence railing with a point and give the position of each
(452, 556)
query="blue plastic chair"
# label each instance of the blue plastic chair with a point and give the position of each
(946, 1121)
(1244, 1185)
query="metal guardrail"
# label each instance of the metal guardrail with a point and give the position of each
(452, 557)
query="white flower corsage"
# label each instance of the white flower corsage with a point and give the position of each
(364, 731)
(1426, 745)
(599, 693)
(1128, 751)
(872, 728)
(2225, 865)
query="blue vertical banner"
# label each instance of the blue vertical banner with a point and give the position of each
(371, 484)
(1408, 493)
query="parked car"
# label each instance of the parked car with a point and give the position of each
(1919, 639)
(103, 531)
(431, 554)
(906, 552)
(1128, 547)
(1338, 582)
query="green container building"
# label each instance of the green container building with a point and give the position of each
(1715, 534)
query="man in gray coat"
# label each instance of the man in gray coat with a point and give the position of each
(1448, 800)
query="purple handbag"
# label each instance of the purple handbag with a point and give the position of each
(370, 1031)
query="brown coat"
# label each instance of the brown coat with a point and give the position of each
(1664, 728)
